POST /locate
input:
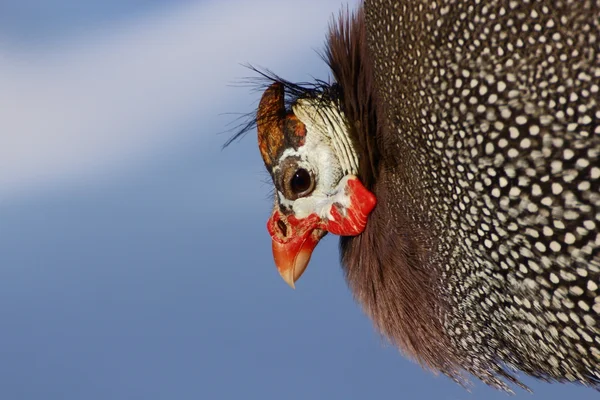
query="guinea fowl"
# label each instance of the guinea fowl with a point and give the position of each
(456, 154)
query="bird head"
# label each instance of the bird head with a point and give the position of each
(312, 161)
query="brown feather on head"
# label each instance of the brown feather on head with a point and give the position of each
(276, 126)
(269, 121)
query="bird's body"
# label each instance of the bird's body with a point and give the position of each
(476, 126)
(497, 144)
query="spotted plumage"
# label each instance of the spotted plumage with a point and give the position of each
(477, 128)
(496, 105)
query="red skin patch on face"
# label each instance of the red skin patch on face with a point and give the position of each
(294, 125)
(283, 229)
(349, 223)
(292, 235)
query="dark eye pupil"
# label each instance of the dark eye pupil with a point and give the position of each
(300, 181)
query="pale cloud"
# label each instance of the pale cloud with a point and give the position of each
(92, 104)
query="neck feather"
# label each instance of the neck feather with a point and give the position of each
(348, 58)
(390, 267)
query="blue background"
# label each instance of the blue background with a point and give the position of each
(144, 271)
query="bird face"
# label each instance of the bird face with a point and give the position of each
(309, 154)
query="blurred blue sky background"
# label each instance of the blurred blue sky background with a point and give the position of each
(134, 259)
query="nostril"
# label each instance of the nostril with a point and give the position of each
(282, 228)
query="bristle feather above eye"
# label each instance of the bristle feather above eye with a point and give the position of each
(318, 89)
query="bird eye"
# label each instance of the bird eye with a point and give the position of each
(301, 182)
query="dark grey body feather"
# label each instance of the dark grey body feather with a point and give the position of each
(484, 249)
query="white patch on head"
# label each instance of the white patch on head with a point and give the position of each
(329, 122)
(327, 154)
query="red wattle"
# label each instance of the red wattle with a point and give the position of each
(362, 202)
